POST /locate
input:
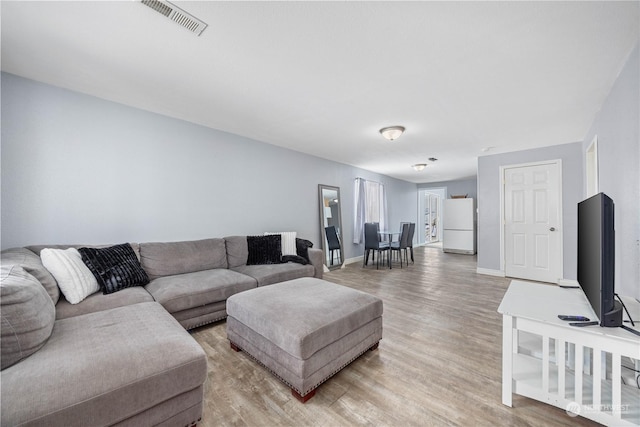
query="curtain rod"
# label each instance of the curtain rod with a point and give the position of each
(369, 180)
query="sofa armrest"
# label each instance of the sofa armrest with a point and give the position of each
(316, 257)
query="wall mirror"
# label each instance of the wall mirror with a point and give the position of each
(331, 225)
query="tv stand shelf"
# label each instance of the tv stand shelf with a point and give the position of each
(544, 358)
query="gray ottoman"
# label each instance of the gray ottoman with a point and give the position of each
(305, 330)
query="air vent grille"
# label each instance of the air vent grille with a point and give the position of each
(177, 15)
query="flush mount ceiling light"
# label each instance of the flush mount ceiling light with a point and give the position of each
(392, 132)
(419, 166)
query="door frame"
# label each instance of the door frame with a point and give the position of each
(421, 193)
(503, 168)
(591, 168)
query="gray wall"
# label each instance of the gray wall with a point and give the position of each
(459, 187)
(76, 168)
(617, 127)
(489, 201)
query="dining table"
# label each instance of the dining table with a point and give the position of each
(387, 236)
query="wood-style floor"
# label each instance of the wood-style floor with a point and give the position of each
(438, 364)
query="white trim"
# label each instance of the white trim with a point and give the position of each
(502, 221)
(353, 260)
(490, 272)
(568, 283)
(503, 168)
(591, 168)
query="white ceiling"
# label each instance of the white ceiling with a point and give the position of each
(324, 77)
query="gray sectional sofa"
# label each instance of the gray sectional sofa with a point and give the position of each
(123, 358)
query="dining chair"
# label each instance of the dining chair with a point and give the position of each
(402, 225)
(403, 244)
(412, 231)
(333, 242)
(372, 243)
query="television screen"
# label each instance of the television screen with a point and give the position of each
(596, 257)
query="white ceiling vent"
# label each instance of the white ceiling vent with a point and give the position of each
(177, 15)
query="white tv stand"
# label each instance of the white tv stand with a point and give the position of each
(573, 368)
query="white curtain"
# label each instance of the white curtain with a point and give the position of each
(370, 206)
(360, 211)
(383, 208)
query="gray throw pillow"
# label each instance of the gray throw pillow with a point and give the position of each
(32, 264)
(28, 315)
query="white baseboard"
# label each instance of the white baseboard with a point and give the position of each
(354, 260)
(568, 283)
(490, 272)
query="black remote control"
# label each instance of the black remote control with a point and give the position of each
(584, 324)
(573, 318)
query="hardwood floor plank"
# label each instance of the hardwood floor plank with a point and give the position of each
(439, 362)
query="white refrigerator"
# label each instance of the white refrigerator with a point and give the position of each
(459, 226)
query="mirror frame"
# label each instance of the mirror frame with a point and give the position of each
(323, 237)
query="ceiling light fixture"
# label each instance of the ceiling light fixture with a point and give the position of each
(419, 166)
(392, 132)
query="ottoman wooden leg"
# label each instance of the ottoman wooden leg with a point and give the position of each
(304, 398)
(234, 347)
(374, 347)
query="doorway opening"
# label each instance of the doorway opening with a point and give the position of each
(430, 202)
(591, 167)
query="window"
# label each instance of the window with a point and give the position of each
(370, 206)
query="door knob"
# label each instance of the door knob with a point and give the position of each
(552, 229)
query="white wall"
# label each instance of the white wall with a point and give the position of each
(617, 128)
(78, 169)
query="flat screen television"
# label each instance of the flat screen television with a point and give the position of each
(596, 257)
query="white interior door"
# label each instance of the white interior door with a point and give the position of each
(532, 223)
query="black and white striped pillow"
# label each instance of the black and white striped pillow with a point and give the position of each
(115, 267)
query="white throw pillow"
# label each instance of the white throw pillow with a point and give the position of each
(288, 241)
(74, 278)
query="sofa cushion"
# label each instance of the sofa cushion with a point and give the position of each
(264, 249)
(269, 274)
(237, 250)
(184, 291)
(203, 315)
(32, 264)
(171, 258)
(74, 278)
(102, 368)
(100, 302)
(27, 312)
(115, 267)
